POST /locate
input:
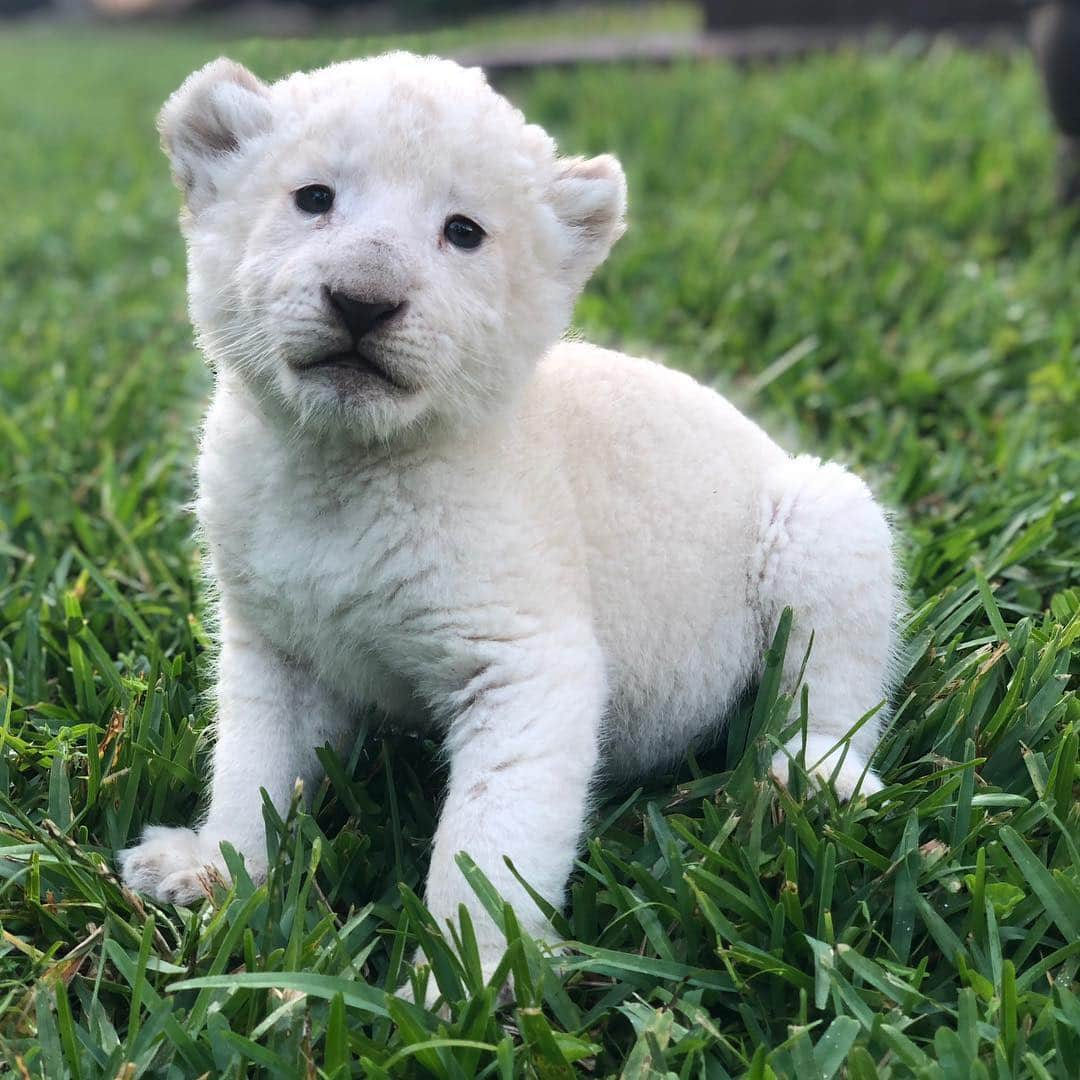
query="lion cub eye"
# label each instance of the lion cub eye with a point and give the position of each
(462, 232)
(314, 199)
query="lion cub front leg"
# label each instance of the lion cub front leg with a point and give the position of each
(271, 718)
(523, 750)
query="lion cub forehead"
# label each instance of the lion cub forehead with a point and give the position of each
(397, 72)
(426, 88)
(401, 105)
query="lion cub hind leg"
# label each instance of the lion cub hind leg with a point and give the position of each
(826, 552)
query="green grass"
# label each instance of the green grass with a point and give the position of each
(862, 251)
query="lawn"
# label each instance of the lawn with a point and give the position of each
(862, 251)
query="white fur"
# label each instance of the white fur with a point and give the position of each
(564, 559)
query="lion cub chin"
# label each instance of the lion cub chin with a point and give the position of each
(417, 499)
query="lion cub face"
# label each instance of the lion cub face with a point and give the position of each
(383, 243)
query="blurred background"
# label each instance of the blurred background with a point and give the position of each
(658, 32)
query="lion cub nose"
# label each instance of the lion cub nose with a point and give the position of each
(363, 316)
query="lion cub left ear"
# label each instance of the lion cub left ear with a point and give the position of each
(207, 121)
(589, 197)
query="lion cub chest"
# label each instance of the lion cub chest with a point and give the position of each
(324, 568)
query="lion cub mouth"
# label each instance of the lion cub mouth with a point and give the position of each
(353, 364)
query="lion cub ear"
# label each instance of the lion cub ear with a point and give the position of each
(589, 198)
(211, 116)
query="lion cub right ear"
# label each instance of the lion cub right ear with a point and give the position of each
(216, 110)
(589, 198)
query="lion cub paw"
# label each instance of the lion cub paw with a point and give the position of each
(171, 865)
(851, 778)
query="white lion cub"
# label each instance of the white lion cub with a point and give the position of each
(417, 499)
